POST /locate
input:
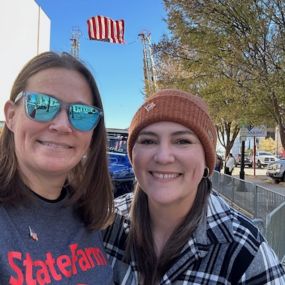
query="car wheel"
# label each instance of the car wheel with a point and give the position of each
(276, 181)
(259, 164)
(284, 176)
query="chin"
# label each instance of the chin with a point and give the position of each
(163, 199)
(60, 168)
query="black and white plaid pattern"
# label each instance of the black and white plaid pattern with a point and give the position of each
(225, 249)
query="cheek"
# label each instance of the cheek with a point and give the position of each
(138, 157)
(25, 129)
(86, 141)
(197, 163)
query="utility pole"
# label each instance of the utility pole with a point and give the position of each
(75, 44)
(148, 65)
(241, 173)
(242, 134)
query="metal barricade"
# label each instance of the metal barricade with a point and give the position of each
(275, 231)
(265, 207)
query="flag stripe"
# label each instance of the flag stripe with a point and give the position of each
(104, 28)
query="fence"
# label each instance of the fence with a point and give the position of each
(265, 207)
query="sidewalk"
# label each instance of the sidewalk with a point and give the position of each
(261, 179)
(258, 179)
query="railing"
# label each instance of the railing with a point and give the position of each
(275, 231)
(265, 207)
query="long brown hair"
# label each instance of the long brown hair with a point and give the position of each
(90, 181)
(140, 240)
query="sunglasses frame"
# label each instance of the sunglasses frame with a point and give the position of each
(62, 104)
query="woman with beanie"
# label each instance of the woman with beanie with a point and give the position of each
(174, 229)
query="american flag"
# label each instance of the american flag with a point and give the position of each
(105, 29)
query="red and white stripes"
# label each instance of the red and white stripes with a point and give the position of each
(106, 29)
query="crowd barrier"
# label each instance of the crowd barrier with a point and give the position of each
(265, 207)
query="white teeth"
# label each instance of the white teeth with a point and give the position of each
(165, 175)
(54, 145)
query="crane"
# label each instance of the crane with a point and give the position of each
(148, 64)
(75, 44)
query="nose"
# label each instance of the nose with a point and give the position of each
(61, 123)
(164, 153)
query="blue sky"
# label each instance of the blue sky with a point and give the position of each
(117, 68)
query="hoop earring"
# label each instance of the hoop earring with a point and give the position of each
(206, 172)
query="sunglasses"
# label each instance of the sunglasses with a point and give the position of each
(44, 108)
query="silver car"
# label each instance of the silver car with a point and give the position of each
(276, 170)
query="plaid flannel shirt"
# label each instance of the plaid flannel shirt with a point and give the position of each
(226, 248)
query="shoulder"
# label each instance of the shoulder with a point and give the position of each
(222, 219)
(247, 254)
(123, 204)
(115, 235)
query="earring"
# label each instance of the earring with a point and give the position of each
(206, 172)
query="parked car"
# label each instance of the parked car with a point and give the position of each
(120, 168)
(263, 158)
(121, 172)
(276, 170)
(247, 161)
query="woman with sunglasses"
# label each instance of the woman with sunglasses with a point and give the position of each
(55, 191)
(174, 229)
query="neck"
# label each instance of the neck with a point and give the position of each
(46, 187)
(164, 221)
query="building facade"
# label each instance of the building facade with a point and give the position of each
(25, 32)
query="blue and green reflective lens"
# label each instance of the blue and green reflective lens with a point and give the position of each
(44, 108)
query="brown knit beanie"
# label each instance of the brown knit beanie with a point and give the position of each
(180, 107)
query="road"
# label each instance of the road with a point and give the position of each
(261, 179)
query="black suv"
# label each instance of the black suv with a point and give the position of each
(247, 160)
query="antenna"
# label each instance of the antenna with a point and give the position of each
(75, 44)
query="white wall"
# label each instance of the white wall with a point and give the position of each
(25, 32)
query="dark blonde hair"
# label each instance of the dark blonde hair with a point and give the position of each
(90, 182)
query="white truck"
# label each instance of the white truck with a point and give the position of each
(263, 158)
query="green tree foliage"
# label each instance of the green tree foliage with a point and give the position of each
(232, 53)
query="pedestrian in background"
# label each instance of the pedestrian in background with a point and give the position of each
(230, 164)
(55, 191)
(174, 229)
(219, 163)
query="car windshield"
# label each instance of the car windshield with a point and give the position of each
(117, 141)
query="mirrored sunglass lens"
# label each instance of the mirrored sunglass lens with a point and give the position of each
(83, 117)
(41, 107)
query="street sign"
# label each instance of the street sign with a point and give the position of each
(251, 131)
(260, 131)
(243, 132)
(242, 138)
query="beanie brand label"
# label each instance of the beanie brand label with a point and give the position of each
(149, 106)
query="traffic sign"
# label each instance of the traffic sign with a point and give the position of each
(252, 131)
(260, 131)
(243, 132)
(242, 138)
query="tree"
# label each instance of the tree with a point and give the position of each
(232, 53)
(268, 145)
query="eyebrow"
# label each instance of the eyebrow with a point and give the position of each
(186, 132)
